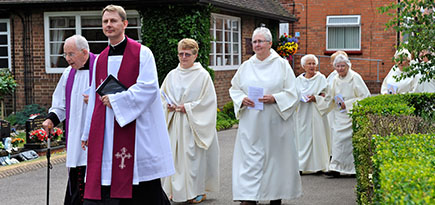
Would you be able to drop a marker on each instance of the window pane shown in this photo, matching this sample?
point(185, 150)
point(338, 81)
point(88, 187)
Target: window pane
point(219, 60)
point(3, 51)
point(3, 39)
point(61, 35)
point(227, 60)
point(58, 62)
point(62, 22)
point(219, 36)
point(56, 48)
point(227, 36)
point(219, 23)
point(3, 27)
point(219, 47)
point(235, 37)
point(235, 26)
point(343, 38)
point(236, 60)
point(97, 47)
point(211, 35)
point(227, 48)
point(227, 24)
point(94, 35)
point(132, 33)
point(211, 47)
point(133, 21)
point(4, 63)
point(91, 21)
point(235, 48)
point(211, 60)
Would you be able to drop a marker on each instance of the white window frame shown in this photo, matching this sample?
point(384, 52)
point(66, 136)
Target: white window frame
point(213, 42)
point(357, 24)
point(78, 29)
point(8, 33)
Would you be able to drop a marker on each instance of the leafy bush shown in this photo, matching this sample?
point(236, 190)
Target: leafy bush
point(22, 116)
point(161, 33)
point(404, 169)
point(7, 82)
point(226, 118)
point(384, 115)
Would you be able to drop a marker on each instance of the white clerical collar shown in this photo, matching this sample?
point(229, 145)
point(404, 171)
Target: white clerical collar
point(118, 42)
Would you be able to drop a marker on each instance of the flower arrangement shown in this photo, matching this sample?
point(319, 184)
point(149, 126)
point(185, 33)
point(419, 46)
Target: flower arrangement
point(40, 135)
point(16, 141)
point(287, 46)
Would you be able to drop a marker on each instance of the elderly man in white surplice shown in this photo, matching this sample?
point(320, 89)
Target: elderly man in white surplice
point(189, 100)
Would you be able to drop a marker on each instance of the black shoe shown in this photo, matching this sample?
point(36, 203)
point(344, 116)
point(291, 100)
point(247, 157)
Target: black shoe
point(275, 202)
point(332, 174)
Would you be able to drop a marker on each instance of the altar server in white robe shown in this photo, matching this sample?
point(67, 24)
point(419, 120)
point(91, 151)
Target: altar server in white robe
point(348, 87)
point(265, 161)
point(69, 105)
point(126, 135)
point(408, 85)
point(191, 120)
point(426, 86)
point(312, 126)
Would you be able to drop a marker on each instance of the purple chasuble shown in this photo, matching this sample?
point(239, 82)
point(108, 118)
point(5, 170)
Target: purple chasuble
point(68, 89)
point(123, 137)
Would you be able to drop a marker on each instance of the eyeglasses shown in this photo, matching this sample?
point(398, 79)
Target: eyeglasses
point(68, 54)
point(187, 55)
point(259, 41)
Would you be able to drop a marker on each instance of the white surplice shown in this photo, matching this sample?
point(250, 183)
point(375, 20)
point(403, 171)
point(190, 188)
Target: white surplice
point(352, 88)
point(407, 85)
point(427, 86)
point(192, 134)
point(312, 128)
point(330, 115)
point(265, 161)
point(141, 102)
point(75, 155)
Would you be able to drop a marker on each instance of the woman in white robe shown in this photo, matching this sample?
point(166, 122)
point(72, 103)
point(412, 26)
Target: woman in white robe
point(312, 126)
point(408, 85)
point(347, 88)
point(189, 100)
point(265, 160)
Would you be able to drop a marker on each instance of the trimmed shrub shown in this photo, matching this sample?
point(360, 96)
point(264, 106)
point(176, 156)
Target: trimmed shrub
point(384, 115)
point(404, 169)
point(225, 117)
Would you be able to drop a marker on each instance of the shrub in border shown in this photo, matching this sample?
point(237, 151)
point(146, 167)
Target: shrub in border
point(395, 107)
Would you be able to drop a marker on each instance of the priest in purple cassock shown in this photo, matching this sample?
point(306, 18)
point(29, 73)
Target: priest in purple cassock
point(69, 105)
point(125, 132)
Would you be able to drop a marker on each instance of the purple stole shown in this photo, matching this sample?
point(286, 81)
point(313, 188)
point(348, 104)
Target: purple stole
point(123, 137)
point(68, 89)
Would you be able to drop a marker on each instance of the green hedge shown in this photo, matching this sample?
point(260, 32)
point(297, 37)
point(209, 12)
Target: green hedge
point(404, 169)
point(163, 26)
point(225, 117)
point(384, 115)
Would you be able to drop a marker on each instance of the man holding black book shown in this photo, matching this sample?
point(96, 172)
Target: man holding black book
point(69, 104)
point(125, 132)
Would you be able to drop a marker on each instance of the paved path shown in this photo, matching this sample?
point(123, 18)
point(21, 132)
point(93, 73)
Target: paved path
point(29, 187)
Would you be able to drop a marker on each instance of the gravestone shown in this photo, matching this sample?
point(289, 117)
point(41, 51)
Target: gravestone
point(5, 129)
point(33, 123)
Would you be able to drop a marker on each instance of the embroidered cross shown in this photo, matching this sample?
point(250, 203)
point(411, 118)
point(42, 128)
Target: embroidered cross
point(123, 155)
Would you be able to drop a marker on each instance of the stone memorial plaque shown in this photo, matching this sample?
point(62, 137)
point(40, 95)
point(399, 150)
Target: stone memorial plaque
point(33, 123)
point(5, 129)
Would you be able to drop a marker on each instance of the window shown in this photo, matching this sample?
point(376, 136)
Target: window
point(225, 50)
point(5, 47)
point(343, 33)
point(60, 25)
point(283, 28)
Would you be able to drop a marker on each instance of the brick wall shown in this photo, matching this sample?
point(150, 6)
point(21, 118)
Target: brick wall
point(376, 43)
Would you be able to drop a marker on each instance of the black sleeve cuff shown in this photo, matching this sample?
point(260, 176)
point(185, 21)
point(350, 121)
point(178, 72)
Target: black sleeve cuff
point(53, 117)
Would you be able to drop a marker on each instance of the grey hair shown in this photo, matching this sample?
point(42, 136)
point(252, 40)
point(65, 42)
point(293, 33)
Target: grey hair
point(342, 58)
point(265, 31)
point(81, 42)
point(404, 52)
point(309, 56)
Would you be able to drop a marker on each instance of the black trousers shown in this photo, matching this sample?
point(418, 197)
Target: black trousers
point(149, 192)
point(75, 188)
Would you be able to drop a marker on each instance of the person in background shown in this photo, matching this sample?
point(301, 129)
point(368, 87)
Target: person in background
point(265, 161)
point(408, 85)
point(347, 88)
point(69, 105)
point(191, 120)
point(427, 86)
point(312, 126)
point(126, 135)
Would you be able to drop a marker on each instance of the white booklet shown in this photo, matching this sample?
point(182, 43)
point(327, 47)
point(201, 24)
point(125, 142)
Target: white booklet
point(166, 98)
point(392, 89)
point(254, 93)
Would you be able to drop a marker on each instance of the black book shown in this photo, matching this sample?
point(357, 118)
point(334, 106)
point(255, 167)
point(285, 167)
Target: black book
point(110, 86)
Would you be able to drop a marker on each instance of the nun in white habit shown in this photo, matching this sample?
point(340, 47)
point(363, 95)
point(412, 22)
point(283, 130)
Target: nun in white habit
point(313, 132)
point(190, 106)
point(265, 160)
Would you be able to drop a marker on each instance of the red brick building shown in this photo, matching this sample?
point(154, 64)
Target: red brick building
point(354, 26)
point(32, 33)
